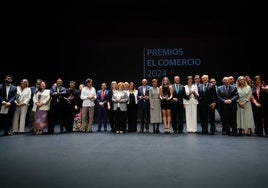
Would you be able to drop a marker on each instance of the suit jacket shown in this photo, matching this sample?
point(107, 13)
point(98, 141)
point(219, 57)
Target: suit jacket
point(208, 96)
point(59, 97)
point(180, 95)
point(12, 94)
point(33, 90)
point(142, 102)
point(124, 99)
point(223, 94)
point(105, 99)
point(44, 98)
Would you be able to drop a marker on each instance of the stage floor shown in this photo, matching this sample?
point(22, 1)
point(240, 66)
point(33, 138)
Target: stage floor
point(104, 159)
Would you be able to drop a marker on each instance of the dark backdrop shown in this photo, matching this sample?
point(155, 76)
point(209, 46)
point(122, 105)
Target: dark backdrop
point(106, 40)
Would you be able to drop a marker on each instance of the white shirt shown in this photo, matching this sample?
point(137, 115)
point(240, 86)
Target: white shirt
point(86, 92)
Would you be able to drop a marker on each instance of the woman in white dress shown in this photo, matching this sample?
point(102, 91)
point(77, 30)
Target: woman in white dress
point(190, 105)
point(245, 120)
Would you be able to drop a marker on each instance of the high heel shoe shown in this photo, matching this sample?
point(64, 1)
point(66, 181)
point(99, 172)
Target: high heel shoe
point(242, 132)
point(167, 131)
point(249, 132)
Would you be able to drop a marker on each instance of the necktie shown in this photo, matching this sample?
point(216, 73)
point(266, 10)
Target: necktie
point(205, 87)
point(102, 95)
point(177, 88)
point(227, 90)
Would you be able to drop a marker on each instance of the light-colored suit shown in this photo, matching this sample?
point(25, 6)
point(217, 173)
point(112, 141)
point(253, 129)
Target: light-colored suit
point(123, 97)
point(45, 99)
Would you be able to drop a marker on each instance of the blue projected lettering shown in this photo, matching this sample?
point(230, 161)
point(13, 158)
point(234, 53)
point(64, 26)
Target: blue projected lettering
point(159, 62)
point(164, 52)
point(173, 62)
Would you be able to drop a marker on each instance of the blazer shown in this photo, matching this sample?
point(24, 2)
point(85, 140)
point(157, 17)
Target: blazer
point(140, 93)
point(124, 99)
point(12, 94)
point(45, 99)
point(208, 96)
point(105, 99)
point(223, 94)
point(180, 95)
point(59, 97)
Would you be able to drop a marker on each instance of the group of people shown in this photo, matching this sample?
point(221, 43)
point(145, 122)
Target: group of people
point(242, 106)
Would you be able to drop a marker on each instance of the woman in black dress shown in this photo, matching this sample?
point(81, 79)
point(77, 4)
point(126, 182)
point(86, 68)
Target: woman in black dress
point(165, 97)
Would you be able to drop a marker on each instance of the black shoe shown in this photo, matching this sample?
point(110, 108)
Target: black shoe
point(10, 133)
point(141, 131)
point(212, 133)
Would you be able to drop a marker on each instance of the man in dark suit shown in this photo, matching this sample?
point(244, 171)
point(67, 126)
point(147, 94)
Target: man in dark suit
point(144, 105)
point(177, 105)
point(102, 99)
point(56, 112)
point(228, 95)
point(206, 104)
point(8, 93)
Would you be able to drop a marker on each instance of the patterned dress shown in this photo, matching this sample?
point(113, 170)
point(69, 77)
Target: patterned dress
point(40, 116)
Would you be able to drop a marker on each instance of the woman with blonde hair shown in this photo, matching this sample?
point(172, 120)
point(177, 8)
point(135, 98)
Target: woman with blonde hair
point(245, 120)
point(22, 101)
point(120, 99)
point(166, 91)
point(155, 106)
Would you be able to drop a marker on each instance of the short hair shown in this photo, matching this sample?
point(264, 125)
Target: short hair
point(73, 82)
point(88, 80)
point(189, 77)
point(8, 75)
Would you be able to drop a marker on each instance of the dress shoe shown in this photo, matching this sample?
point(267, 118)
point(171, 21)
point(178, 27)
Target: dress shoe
point(212, 133)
